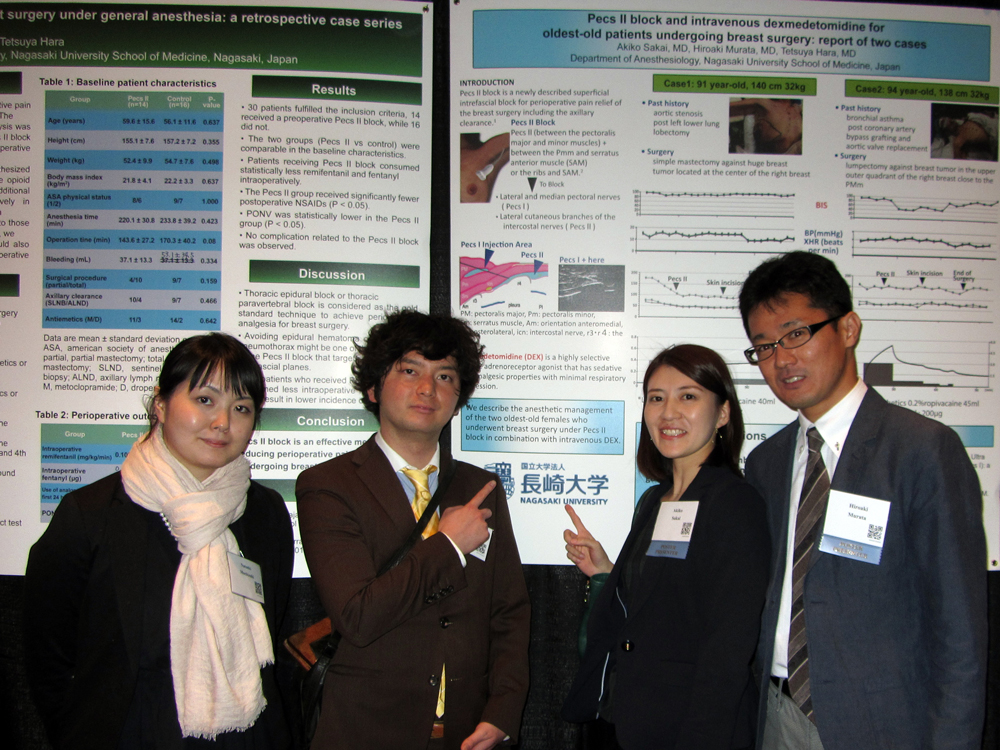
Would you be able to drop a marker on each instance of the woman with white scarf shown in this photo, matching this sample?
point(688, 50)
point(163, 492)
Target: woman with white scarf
point(155, 597)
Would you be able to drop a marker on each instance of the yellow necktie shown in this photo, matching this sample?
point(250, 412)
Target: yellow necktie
point(422, 496)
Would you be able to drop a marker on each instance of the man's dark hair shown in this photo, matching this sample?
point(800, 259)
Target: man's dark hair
point(434, 337)
point(705, 367)
point(798, 272)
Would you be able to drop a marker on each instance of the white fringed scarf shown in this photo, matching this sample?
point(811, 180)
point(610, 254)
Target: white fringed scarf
point(216, 673)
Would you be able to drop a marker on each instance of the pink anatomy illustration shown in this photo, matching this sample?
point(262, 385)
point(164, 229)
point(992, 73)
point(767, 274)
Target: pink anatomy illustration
point(481, 276)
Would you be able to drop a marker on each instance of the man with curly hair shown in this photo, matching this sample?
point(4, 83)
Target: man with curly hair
point(435, 651)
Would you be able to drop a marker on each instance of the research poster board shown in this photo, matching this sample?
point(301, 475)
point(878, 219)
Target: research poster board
point(617, 170)
point(170, 169)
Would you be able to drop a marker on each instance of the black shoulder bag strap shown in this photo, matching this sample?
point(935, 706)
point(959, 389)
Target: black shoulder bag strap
point(312, 684)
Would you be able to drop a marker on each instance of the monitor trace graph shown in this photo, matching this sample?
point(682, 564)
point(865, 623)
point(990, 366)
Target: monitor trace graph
point(931, 245)
point(714, 239)
point(958, 298)
point(664, 294)
point(757, 205)
point(900, 208)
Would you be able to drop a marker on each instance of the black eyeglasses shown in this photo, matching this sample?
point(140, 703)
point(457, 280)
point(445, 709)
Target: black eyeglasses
point(791, 340)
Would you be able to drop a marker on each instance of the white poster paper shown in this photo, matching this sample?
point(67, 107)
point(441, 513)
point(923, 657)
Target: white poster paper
point(618, 171)
point(255, 169)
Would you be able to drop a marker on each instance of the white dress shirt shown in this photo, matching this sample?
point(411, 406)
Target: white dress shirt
point(833, 428)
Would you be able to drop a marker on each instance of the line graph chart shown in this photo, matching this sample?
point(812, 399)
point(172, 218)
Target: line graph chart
point(918, 297)
point(944, 246)
point(896, 208)
point(733, 204)
point(687, 295)
point(928, 363)
point(700, 239)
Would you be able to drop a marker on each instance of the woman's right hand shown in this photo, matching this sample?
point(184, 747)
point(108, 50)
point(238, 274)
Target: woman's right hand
point(583, 550)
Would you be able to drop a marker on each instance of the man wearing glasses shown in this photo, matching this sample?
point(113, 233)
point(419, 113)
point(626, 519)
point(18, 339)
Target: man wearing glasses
point(874, 631)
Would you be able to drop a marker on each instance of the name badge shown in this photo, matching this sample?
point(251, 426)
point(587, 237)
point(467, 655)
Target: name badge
point(245, 578)
point(855, 527)
point(672, 533)
point(480, 551)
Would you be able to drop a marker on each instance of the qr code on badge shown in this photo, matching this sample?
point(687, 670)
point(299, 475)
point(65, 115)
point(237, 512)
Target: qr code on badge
point(875, 532)
point(686, 529)
point(257, 588)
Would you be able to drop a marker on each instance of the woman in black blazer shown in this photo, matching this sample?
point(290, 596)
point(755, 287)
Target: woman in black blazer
point(135, 634)
point(671, 635)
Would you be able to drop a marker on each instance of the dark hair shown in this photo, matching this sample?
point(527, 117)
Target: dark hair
point(798, 272)
point(195, 360)
point(434, 337)
point(707, 369)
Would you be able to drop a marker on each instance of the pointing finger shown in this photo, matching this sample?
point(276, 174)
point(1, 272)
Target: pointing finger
point(476, 501)
point(580, 528)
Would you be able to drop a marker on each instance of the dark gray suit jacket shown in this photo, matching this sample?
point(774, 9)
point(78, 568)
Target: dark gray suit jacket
point(897, 651)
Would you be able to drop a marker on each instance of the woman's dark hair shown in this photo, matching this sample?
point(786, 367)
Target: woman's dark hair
point(195, 360)
point(813, 276)
point(434, 337)
point(707, 369)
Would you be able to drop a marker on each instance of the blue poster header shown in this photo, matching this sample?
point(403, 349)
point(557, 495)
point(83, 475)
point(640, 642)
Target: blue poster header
point(678, 40)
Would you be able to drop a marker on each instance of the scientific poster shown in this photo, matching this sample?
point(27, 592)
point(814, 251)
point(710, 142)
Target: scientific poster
point(617, 171)
point(169, 169)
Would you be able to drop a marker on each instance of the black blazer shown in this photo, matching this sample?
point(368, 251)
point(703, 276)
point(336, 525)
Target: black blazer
point(692, 626)
point(86, 597)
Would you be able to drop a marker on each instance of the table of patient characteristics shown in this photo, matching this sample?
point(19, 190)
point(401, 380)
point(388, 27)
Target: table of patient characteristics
point(133, 210)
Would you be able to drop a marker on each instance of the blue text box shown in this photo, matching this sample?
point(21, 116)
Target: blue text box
point(498, 425)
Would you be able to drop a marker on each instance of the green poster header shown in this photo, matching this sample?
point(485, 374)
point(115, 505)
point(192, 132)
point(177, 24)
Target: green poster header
point(921, 90)
point(333, 274)
point(93, 434)
point(317, 420)
point(343, 89)
point(738, 85)
point(209, 36)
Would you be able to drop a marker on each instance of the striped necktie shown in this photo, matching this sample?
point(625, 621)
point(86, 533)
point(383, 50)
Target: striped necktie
point(808, 521)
